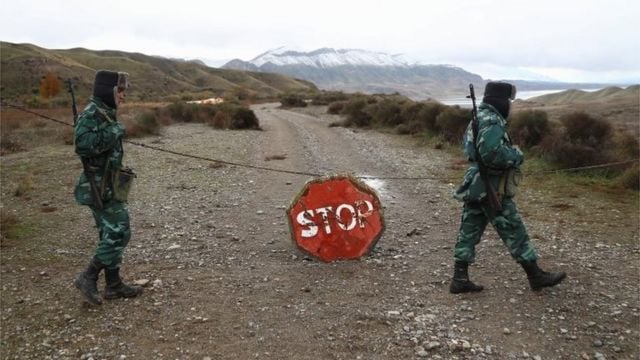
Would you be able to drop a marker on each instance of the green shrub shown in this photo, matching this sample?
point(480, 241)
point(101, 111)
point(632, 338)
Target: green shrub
point(429, 113)
point(355, 112)
point(292, 100)
point(581, 128)
point(386, 112)
point(452, 122)
point(528, 128)
point(556, 148)
point(244, 118)
point(328, 97)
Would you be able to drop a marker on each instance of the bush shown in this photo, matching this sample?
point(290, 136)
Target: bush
point(429, 113)
point(451, 123)
point(630, 179)
point(386, 112)
point(355, 112)
point(292, 100)
point(244, 118)
point(9, 146)
point(626, 146)
point(8, 222)
point(556, 148)
point(528, 128)
point(580, 128)
point(220, 120)
point(336, 107)
point(328, 97)
point(144, 124)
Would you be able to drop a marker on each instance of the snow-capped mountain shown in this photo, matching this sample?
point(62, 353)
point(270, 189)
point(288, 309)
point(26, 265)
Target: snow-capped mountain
point(328, 57)
point(360, 70)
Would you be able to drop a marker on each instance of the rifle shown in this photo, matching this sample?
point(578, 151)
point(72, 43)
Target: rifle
point(494, 200)
point(88, 171)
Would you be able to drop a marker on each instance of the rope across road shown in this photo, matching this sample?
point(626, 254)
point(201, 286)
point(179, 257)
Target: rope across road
point(305, 173)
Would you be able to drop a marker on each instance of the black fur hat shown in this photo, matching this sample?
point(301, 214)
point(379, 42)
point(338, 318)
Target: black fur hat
point(106, 84)
point(499, 95)
point(500, 89)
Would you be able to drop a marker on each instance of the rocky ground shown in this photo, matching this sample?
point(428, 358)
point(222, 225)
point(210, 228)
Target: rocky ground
point(223, 279)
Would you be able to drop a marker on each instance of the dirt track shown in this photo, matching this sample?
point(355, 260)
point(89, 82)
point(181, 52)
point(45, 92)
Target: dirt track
point(226, 282)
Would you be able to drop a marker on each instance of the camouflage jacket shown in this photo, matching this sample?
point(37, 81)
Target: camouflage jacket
point(98, 139)
point(494, 148)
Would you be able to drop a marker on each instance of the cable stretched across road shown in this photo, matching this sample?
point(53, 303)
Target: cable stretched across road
point(305, 173)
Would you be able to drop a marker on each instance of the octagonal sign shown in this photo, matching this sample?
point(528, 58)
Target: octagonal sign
point(336, 218)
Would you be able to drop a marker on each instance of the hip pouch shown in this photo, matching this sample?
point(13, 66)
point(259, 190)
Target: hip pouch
point(122, 182)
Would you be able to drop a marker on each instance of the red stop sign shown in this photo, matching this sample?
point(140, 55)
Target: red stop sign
point(336, 218)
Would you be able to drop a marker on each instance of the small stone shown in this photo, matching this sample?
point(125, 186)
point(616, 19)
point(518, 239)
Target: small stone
point(599, 356)
point(421, 352)
point(506, 331)
point(597, 343)
point(141, 282)
point(432, 345)
point(173, 247)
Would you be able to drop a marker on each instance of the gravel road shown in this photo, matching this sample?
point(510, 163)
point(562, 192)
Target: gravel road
point(223, 279)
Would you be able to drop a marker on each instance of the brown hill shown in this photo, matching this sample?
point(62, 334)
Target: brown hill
point(612, 93)
point(153, 78)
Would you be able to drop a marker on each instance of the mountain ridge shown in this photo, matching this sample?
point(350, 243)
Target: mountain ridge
point(153, 77)
point(356, 70)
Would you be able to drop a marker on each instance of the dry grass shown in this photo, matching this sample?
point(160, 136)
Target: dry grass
point(8, 222)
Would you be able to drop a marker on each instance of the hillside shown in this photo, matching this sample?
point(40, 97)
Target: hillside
point(153, 78)
point(612, 93)
point(619, 106)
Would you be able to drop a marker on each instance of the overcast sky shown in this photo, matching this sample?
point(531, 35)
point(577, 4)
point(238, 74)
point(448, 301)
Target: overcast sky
point(567, 40)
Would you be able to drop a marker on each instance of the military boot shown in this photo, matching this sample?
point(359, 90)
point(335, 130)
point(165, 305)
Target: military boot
point(539, 278)
point(115, 288)
point(460, 282)
point(86, 282)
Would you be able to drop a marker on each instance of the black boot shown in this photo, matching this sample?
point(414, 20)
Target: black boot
point(86, 282)
point(460, 282)
point(115, 288)
point(539, 278)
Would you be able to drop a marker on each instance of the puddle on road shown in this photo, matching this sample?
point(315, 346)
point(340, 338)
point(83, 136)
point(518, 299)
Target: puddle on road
point(374, 183)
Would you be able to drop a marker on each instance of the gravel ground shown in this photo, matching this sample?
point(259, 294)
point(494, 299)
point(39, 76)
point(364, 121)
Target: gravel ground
point(223, 279)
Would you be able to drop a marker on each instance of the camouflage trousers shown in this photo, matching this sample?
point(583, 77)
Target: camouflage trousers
point(508, 225)
point(114, 231)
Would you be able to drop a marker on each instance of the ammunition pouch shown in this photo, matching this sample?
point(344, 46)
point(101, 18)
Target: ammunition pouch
point(509, 183)
point(122, 181)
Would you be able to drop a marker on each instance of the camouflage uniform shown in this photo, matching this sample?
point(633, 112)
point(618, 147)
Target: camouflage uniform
point(502, 162)
point(499, 155)
point(98, 141)
point(98, 137)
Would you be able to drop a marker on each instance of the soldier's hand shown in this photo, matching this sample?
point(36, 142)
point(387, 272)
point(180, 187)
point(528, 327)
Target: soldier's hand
point(118, 129)
point(520, 155)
